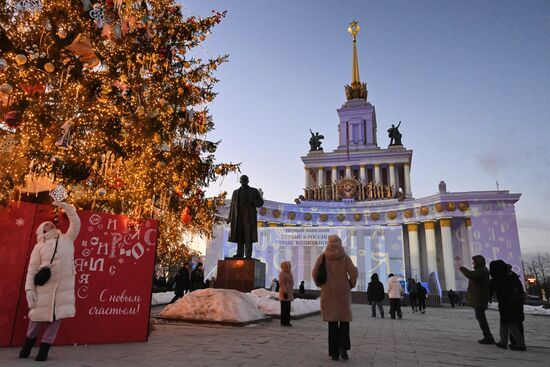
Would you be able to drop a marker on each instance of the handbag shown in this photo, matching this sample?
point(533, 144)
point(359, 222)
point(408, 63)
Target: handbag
point(322, 272)
point(45, 273)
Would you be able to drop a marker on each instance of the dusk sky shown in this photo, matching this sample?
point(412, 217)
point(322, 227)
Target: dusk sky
point(469, 79)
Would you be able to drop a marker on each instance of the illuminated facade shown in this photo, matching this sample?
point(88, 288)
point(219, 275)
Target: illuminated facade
point(363, 193)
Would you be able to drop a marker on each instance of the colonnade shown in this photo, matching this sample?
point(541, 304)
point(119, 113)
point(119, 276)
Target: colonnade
point(316, 176)
point(431, 250)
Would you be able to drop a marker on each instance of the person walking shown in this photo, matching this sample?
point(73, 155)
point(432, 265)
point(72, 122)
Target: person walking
point(286, 292)
point(182, 282)
point(477, 295)
point(452, 297)
point(422, 295)
point(341, 277)
point(394, 293)
point(302, 289)
point(54, 300)
point(413, 294)
point(514, 275)
point(510, 296)
point(197, 278)
point(375, 295)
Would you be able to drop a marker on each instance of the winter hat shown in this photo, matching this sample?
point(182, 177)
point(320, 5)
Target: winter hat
point(374, 277)
point(390, 275)
point(42, 236)
point(285, 266)
point(40, 229)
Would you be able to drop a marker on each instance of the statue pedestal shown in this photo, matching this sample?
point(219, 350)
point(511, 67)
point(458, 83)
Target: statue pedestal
point(240, 274)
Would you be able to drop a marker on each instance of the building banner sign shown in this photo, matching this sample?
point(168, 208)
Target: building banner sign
point(373, 249)
point(114, 267)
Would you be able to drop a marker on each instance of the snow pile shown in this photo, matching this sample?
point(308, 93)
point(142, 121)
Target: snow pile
point(268, 303)
point(527, 309)
point(161, 298)
point(214, 305)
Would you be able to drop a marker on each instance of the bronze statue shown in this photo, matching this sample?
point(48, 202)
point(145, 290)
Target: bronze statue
point(243, 218)
point(315, 141)
point(394, 134)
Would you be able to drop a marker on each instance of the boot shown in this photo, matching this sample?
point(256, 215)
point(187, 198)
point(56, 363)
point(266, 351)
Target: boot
point(26, 350)
point(43, 352)
point(344, 354)
point(487, 340)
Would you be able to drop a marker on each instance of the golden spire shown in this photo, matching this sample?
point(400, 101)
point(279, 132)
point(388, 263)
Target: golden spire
point(353, 29)
point(357, 89)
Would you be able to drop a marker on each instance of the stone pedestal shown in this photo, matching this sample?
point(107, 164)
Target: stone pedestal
point(240, 274)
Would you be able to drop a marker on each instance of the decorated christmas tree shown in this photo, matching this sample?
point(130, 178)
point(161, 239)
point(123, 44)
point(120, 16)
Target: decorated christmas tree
point(108, 99)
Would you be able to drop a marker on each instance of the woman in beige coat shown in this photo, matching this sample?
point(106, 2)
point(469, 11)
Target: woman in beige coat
point(336, 295)
point(286, 292)
point(55, 300)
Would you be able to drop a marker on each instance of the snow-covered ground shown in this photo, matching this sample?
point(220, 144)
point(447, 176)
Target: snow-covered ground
point(268, 303)
point(527, 309)
point(161, 298)
point(215, 305)
point(227, 305)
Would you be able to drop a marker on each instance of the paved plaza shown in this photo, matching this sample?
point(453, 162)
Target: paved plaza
point(441, 337)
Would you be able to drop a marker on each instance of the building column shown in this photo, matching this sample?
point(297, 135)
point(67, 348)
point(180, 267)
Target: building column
point(407, 180)
point(377, 173)
point(448, 259)
point(308, 178)
point(320, 176)
point(335, 174)
point(414, 251)
point(431, 255)
point(362, 173)
point(470, 238)
point(348, 171)
point(391, 169)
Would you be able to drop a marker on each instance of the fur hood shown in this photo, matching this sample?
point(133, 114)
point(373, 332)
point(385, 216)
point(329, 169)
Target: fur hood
point(334, 249)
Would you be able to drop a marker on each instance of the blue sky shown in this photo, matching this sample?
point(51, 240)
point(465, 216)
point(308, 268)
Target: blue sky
point(469, 79)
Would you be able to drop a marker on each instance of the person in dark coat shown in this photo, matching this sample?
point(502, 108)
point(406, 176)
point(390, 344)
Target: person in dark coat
point(197, 278)
point(375, 295)
point(520, 324)
point(302, 288)
point(510, 296)
point(452, 297)
point(243, 218)
point(182, 282)
point(422, 294)
point(477, 295)
point(413, 293)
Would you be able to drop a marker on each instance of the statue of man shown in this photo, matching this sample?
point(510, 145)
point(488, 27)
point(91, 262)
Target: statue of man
point(243, 218)
point(394, 134)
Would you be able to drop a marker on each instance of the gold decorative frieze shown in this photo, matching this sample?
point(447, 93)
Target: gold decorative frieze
point(439, 207)
point(424, 210)
point(374, 216)
point(291, 215)
point(357, 217)
point(391, 215)
point(307, 216)
point(463, 206)
point(263, 211)
point(276, 213)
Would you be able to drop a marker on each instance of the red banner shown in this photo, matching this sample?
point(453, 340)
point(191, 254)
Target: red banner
point(114, 265)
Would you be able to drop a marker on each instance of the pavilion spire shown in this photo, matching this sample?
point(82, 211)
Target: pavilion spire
point(356, 90)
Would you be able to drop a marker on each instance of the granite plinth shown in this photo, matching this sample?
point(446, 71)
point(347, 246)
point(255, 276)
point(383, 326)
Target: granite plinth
point(240, 274)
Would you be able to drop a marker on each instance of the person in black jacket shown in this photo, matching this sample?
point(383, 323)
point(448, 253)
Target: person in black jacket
point(197, 278)
point(375, 295)
point(422, 292)
point(413, 294)
point(510, 296)
point(302, 289)
point(182, 282)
